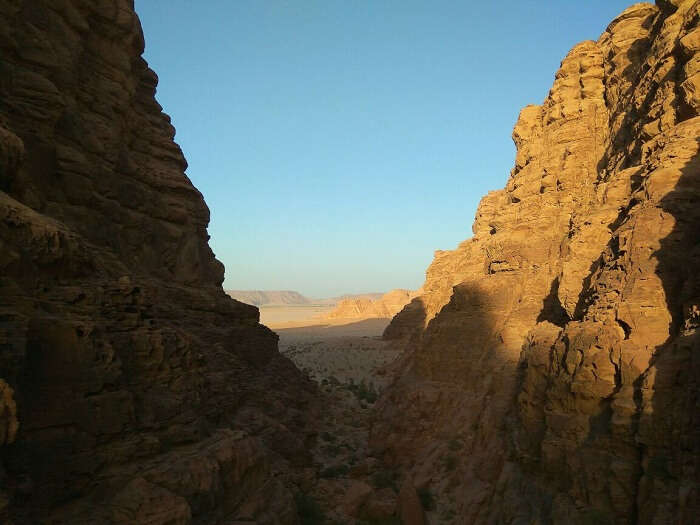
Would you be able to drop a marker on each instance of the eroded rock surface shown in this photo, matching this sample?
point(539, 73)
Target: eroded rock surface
point(386, 306)
point(132, 389)
point(551, 364)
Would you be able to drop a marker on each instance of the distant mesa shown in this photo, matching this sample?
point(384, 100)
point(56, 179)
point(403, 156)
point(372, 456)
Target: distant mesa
point(332, 301)
point(384, 306)
point(269, 297)
point(292, 298)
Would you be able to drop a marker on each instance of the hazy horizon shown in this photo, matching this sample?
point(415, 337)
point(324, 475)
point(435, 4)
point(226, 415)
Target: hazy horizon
point(339, 145)
point(308, 296)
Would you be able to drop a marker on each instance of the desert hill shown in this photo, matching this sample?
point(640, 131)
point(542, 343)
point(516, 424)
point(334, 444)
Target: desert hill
point(332, 301)
point(269, 297)
point(386, 305)
point(292, 298)
point(288, 308)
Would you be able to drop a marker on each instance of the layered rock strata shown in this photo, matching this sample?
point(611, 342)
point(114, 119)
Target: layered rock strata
point(552, 363)
point(386, 306)
point(132, 389)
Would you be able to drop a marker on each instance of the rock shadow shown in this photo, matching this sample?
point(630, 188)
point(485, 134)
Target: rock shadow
point(669, 391)
point(366, 327)
point(552, 310)
point(447, 410)
point(409, 322)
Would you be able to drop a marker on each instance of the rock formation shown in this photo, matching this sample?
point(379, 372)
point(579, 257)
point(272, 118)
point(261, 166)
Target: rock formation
point(332, 301)
point(132, 389)
point(552, 361)
point(292, 298)
point(385, 306)
point(269, 297)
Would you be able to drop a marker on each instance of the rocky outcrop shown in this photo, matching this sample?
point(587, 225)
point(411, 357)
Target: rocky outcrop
point(385, 306)
point(132, 389)
point(551, 363)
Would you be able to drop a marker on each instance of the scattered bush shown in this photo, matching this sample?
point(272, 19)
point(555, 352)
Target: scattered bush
point(363, 392)
point(385, 478)
point(450, 462)
point(327, 436)
point(308, 509)
point(335, 471)
point(391, 520)
point(597, 517)
point(449, 515)
point(455, 445)
point(658, 467)
point(426, 498)
point(332, 450)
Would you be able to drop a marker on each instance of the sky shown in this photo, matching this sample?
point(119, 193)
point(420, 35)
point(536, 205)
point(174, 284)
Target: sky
point(338, 143)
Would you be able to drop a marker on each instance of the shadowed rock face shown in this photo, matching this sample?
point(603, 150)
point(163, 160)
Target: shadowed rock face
point(132, 389)
point(554, 355)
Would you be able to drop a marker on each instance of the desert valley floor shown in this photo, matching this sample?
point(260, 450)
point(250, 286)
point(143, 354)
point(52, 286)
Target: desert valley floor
point(351, 363)
point(346, 360)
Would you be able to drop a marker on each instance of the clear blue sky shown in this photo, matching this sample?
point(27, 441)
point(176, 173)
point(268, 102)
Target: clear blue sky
point(339, 143)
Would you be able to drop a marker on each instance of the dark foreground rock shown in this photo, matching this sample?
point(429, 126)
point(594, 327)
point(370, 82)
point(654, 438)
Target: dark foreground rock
point(132, 389)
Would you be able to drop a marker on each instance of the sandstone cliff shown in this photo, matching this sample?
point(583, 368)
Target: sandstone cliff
point(385, 306)
point(552, 362)
point(132, 389)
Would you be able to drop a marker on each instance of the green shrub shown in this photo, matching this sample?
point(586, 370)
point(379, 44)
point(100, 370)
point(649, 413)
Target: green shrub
point(332, 450)
point(455, 445)
point(327, 436)
point(596, 517)
point(391, 520)
point(658, 467)
point(450, 462)
point(426, 498)
point(384, 478)
point(449, 515)
point(363, 391)
point(335, 471)
point(308, 509)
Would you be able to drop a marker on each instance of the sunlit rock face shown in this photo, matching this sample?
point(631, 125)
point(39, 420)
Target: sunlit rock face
point(552, 362)
point(132, 389)
point(385, 306)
